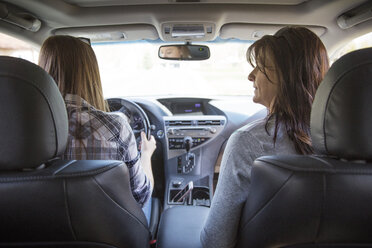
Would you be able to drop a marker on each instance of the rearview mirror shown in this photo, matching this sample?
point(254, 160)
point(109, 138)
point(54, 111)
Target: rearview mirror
point(184, 52)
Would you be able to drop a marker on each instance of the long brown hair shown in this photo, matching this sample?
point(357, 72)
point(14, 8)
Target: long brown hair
point(73, 65)
point(301, 61)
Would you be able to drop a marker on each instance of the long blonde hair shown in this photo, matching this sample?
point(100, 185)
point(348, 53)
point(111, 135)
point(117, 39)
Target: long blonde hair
point(73, 65)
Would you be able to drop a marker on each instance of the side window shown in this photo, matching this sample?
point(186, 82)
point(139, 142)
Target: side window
point(10, 46)
point(356, 44)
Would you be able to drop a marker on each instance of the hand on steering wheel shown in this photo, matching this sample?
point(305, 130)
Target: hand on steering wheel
point(147, 146)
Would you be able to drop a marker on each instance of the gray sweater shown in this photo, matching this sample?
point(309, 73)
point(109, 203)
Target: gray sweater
point(244, 146)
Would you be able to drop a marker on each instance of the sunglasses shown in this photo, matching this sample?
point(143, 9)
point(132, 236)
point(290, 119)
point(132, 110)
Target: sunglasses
point(85, 40)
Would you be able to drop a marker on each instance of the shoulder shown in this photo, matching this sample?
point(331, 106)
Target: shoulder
point(253, 127)
point(248, 132)
point(115, 123)
point(108, 119)
point(78, 104)
point(242, 148)
point(258, 136)
point(113, 116)
point(246, 138)
point(250, 140)
point(105, 124)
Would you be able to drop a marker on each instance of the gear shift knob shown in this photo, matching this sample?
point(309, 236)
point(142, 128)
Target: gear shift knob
point(188, 143)
point(190, 157)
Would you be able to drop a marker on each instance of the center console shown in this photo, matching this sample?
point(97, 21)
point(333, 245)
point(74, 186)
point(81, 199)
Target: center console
point(188, 141)
point(180, 227)
point(193, 136)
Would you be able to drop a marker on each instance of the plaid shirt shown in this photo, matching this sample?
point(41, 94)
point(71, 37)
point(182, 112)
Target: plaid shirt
point(98, 135)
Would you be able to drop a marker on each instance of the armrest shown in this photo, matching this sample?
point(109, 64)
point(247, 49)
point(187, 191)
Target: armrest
point(180, 227)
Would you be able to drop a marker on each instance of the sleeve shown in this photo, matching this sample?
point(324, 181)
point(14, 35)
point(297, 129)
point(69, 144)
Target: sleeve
point(220, 229)
point(140, 184)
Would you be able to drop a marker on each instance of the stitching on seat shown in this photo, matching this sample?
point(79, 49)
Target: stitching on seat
point(67, 209)
point(64, 167)
point(279, 163)
point(117, 204)
point(80, 174)
point(268, 201)
point(322, 160)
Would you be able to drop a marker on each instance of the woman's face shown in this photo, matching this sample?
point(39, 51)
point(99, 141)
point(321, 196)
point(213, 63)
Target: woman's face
point(265, 90)
point(171, 52)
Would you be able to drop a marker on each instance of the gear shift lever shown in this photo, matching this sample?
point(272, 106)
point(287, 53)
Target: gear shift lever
point(190, 157)
point(188, 143)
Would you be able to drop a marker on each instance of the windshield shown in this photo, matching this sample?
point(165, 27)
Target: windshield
point(134, 69)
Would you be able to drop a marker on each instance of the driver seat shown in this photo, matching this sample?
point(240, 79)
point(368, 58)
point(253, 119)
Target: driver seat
point(324, 200)
point(48, 202)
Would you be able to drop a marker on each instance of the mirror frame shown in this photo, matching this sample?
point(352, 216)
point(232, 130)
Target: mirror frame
point(191, 50)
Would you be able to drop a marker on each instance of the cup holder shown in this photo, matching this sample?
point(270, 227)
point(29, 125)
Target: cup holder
point(199, 197)
point(200, 193)
point(173, 193)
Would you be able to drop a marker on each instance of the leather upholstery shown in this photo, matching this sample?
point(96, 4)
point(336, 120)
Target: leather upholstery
point(71, 203)
point(180, 227)
point(307, 201)
point(320, 200)
point(33, 126)
point(46, 202)
point(341, 117)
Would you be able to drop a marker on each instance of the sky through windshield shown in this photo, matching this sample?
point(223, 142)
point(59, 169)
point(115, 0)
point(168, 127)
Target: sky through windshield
point(134, 69)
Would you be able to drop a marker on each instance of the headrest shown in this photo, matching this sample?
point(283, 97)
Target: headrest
point(33, 118)
point(341, 116)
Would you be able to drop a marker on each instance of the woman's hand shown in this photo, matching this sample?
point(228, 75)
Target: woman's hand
point(147, 146)
point(147, 149)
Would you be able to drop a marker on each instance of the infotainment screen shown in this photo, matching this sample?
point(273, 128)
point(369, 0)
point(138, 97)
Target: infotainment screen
point(193, 108)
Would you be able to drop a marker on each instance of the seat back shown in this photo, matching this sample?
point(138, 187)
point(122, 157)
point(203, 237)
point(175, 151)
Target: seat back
point(47, 202)
point(323, 200)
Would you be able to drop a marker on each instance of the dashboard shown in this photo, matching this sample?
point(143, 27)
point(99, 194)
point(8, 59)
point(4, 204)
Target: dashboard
point(186, 106)
point(191, 134)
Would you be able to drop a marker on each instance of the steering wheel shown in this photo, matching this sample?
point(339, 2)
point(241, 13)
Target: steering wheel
point(137, 118)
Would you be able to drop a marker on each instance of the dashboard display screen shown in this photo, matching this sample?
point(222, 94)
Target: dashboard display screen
point(194, 108)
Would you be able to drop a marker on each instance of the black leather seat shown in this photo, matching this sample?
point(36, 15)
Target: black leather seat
point(46, 202)
point(323, 200)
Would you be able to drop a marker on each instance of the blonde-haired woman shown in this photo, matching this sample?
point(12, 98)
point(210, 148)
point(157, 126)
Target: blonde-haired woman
point(94, 133)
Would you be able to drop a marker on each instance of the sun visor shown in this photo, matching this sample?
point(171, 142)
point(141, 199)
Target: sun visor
point(244, 31)
point(112, 33)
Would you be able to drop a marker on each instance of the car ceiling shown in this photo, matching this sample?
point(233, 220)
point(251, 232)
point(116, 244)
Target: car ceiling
point(147, 19)
point(96, 3)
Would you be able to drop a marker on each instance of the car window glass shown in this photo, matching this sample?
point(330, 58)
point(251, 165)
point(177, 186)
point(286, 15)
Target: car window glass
point(361, 42)
point(134, 69)
point(10, 46)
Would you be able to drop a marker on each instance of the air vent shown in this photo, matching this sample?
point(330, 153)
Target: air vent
point(210, 122)
point(179, 123)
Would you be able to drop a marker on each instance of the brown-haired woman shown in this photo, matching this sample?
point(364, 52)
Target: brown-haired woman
point(93, 132)
point(288, 68)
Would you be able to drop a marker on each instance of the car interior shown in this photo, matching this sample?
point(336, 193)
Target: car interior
point(188, 97)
